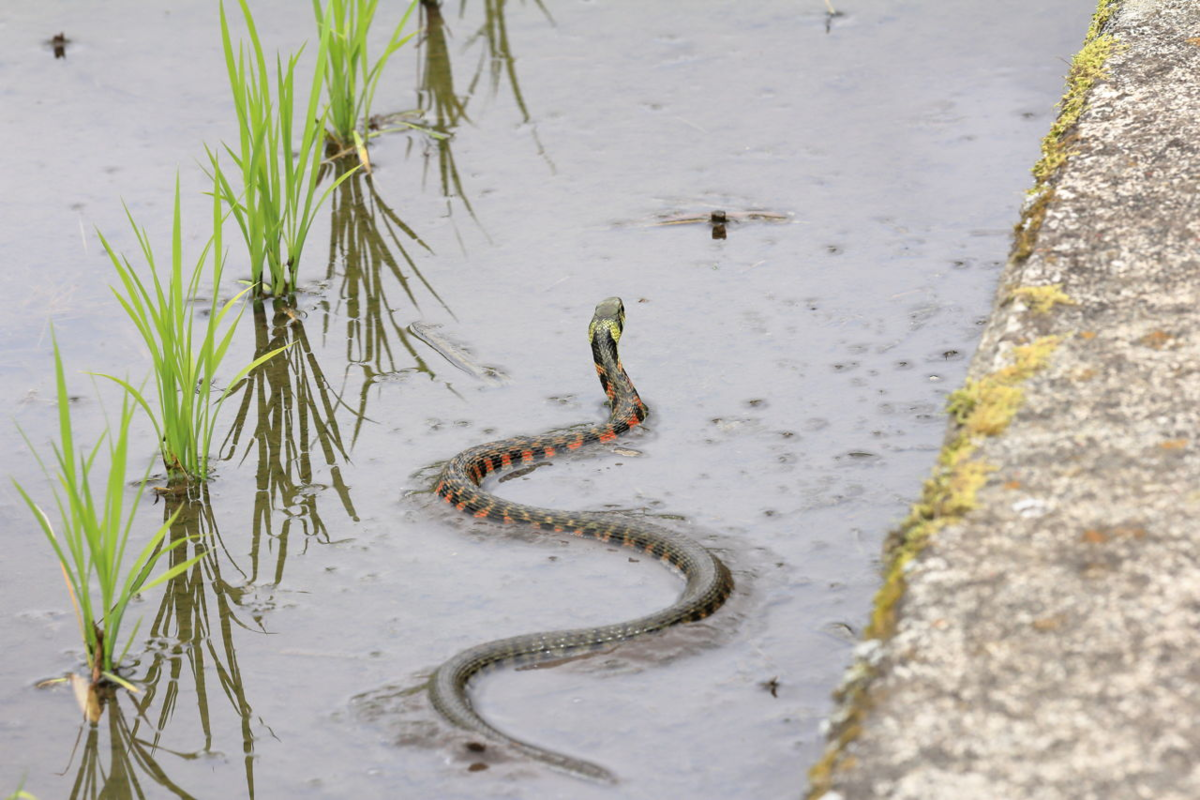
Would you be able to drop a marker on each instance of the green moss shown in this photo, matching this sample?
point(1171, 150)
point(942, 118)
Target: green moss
point(986, 406)
point(1087, 67)
point(1025, 232)
point(1041, 299)
point(948, 494)
point(980, 409)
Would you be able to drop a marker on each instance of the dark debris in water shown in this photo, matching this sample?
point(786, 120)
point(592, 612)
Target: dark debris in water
point(859, 457)
point(843, 631)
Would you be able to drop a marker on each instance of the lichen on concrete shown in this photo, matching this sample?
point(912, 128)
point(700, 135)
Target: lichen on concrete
point(1041, 299)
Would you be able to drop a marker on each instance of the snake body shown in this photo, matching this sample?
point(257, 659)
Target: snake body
point(708, 581)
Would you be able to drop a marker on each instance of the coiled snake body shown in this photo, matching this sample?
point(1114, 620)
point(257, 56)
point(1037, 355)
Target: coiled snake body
point(708, 581)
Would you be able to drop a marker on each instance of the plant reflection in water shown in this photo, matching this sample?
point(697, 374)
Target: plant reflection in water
point(191, 649)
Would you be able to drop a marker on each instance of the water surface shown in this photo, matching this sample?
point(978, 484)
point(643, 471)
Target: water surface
point(795, 370)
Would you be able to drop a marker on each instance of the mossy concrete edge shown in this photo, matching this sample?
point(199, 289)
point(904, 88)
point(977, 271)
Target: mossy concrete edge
point(981, 408)
point(1087, 67)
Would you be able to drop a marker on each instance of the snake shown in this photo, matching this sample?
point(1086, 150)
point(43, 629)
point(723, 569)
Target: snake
point(708, 582)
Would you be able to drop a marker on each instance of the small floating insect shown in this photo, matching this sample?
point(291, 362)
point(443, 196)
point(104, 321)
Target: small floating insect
point(720, 219)
point(59, 42)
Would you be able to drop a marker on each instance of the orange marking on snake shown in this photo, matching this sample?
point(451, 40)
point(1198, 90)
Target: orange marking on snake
point(526, 456)
point(505, 461)
point(608, 436)
point(549, 451)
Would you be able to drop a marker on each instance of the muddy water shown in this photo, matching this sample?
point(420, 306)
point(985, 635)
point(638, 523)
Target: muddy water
point(795, 369)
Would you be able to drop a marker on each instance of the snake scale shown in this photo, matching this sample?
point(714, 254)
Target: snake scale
point(708, 581)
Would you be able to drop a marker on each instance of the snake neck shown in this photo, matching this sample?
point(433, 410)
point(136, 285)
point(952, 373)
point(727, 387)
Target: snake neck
point(628, 409)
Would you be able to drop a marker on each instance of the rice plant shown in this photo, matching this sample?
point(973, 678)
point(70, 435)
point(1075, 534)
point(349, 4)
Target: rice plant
point(185, 365)
point(350, 77)
point(92, 539)
point(278, 198)
point(20, 794)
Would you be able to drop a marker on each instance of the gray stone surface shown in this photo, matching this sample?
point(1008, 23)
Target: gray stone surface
point(1048, 646)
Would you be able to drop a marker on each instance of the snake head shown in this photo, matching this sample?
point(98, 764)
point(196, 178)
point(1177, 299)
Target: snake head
point(609, 316)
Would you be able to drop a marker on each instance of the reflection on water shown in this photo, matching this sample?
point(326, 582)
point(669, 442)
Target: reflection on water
point(131, 768)
point(445, 107)
point(369, 242)
point(436, 97)
point(497, 53)
point(370, 245)
point(191, 644)
point(365, 250)
point(194, 629)
point(290, 409)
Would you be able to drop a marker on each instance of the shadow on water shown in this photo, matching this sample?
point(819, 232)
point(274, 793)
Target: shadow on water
point(290, 409)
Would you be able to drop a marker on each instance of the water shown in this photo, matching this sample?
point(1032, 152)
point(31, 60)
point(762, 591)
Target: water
point(795, 370)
